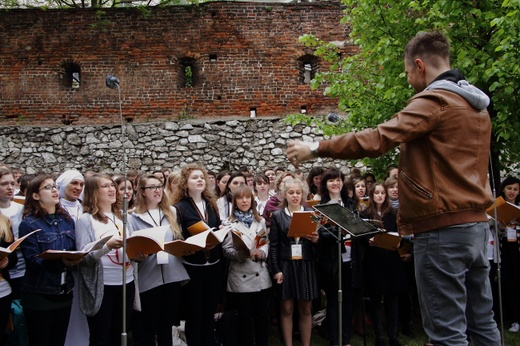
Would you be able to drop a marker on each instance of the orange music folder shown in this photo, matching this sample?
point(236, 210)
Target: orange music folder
point(506, 211)
point(303, 223)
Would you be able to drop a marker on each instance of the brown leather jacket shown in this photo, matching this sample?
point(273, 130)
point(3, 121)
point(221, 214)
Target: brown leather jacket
point(444, 154)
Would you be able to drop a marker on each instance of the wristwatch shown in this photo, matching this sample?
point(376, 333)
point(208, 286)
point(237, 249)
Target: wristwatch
point(314, 148)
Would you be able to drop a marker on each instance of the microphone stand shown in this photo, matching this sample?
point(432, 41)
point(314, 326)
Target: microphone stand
point(352, 224)
point(496, 252)
point(112, 82)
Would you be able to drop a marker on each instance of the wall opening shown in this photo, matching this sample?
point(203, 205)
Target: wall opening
point(308, 66)
point(188, 73)
point(71, 75)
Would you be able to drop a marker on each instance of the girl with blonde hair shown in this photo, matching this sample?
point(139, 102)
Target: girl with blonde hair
point(160, 274)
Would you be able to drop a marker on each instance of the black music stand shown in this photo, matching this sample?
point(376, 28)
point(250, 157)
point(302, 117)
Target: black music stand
point(350, 222)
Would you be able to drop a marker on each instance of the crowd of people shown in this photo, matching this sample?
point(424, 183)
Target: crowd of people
point(437, 200)
point(277, 279)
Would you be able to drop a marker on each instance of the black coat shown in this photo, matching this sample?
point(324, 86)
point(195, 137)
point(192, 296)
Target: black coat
point(280, 244)
point(383, 269)
point(187, 215)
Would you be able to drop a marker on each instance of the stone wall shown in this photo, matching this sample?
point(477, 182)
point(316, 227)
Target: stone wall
point(243, 56)
point(217, 144)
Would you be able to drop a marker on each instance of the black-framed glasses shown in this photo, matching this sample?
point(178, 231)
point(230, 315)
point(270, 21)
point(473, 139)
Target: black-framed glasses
point(153, 188)
point(48, 187)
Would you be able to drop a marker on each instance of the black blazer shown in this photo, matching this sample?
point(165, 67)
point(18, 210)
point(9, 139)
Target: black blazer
point(280, 244)
point(187, 215)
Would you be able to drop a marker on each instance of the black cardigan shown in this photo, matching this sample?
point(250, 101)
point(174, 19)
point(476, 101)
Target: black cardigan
point(187, 215)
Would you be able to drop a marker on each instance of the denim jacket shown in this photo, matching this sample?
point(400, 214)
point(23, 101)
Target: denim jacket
point(45, 276)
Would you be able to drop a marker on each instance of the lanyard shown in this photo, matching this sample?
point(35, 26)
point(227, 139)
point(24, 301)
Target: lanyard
point(151, 217)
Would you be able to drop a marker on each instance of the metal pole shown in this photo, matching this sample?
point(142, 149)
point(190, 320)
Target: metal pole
point(496, 246)
point(124, 335)
point(340, 289)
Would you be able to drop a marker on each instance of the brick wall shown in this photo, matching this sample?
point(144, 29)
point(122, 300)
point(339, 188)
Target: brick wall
point(244, 55)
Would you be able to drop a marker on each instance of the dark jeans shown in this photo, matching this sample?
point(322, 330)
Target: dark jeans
point(47, 327)
point(159, 312)
point(253, 317)
point(106, 326)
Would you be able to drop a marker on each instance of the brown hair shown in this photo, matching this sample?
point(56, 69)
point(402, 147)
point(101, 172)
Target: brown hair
point(90, 202)
point(242, 191)
point(182, 191)
point(386, 207)
point(33, 206)
point(282, 177)
point(119, 180)
point(429, 46)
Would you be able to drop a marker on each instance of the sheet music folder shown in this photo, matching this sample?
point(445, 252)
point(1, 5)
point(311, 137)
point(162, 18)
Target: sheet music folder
point(345, 219)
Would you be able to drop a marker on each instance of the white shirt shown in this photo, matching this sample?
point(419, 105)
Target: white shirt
point(112, 261)
point(14, 212)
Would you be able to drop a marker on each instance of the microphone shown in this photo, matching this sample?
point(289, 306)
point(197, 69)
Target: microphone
point(112, 82)
point(331, 117)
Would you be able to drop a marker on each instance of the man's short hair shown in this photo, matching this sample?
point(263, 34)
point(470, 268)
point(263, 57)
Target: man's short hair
point(427, 45)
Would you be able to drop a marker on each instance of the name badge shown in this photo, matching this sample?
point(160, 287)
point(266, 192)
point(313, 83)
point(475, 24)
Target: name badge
point(511, 234)
point(296, 252)
point(347, 255)
point(162, 257)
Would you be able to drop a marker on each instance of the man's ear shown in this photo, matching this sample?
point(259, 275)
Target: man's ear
point(420, 65)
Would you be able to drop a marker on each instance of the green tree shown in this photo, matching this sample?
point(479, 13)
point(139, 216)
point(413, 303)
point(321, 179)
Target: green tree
point(371, 85)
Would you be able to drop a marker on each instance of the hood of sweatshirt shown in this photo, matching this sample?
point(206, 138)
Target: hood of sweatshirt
point(454, 81)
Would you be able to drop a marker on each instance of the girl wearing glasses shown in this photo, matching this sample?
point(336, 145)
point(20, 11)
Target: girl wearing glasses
point(161, 274)
point(194, 202)
point(47, 284)
point(100, 272)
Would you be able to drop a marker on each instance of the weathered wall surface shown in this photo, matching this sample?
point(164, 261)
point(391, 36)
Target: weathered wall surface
point(244, 55)
point(257, 143)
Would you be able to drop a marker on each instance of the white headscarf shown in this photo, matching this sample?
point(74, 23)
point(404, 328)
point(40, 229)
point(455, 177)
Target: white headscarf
point(64, 180)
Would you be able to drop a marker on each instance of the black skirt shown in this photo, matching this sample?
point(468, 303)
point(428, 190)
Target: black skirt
point(299, 280)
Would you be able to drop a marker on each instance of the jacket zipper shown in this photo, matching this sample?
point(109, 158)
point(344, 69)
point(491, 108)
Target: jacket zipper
point(416, 186)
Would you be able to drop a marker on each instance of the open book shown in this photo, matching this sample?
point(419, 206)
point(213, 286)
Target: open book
point(198, 227)
point(197, 242)
point(388, 241)
point(5, 251)
point(312, 202)
point(245, 245)
point(506, 211)
point(392, 242)
point(303, 223)
point(74, 255)
point(146, 241)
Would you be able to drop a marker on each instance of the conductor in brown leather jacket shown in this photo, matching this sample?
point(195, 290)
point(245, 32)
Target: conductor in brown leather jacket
point(443, 135)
